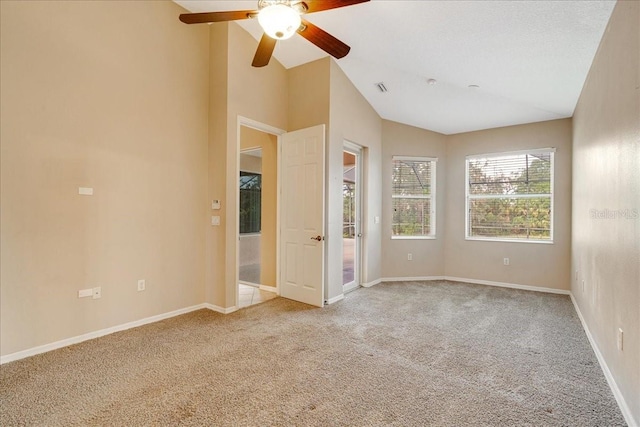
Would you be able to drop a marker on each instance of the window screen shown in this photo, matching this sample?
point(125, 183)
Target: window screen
point(413, 197)
point(510, 196)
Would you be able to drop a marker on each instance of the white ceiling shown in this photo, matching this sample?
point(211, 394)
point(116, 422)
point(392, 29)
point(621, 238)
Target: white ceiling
point(530, 58)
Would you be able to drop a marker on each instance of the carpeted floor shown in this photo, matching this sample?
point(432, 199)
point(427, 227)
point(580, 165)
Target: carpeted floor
point(402, 354)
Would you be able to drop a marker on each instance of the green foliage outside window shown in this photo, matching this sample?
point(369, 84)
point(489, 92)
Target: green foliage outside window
point(348, 209)
point(510, 197)
point(250, 202)
point(412, 197)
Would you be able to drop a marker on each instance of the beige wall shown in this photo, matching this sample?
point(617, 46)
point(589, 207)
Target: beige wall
point(309, 95)
point(606, 157)
point(251, 138)
point(215, 291)
point(534, 264)
point(91, 97)
point(320, 93)
point(237, 89)
point(428, 254)
point(352, 119)
point(250, 163)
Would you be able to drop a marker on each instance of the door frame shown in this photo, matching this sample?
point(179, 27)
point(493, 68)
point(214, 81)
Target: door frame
point(358, 151)
point(262, 127)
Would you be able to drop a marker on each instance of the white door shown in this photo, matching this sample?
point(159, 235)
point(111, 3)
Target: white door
point(302, 216)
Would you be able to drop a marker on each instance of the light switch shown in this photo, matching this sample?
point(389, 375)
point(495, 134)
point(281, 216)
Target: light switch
point(376, 220)
point(215, 204)
point(82, 293)
point(85, 191)
point(215, 220)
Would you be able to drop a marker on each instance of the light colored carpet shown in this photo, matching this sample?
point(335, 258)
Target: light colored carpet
point(403, 354)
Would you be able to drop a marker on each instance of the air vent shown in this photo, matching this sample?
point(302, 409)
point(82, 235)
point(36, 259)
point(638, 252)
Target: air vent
point(381, 87)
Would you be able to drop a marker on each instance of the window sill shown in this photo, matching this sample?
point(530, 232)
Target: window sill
point(413, 237)
point(479, 239)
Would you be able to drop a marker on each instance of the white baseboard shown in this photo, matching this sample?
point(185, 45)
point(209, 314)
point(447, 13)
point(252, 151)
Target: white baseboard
point(244, 282)
point(509, 285)
point(219, 309)
point(622, 403)
point(411, 279)
point(91, 335)
point(335, 299)
point(269, 288)
point(370, 284)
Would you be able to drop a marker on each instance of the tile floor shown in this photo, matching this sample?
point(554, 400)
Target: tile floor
point(250, 295)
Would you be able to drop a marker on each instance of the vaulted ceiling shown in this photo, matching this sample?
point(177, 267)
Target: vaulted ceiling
point(494, 63)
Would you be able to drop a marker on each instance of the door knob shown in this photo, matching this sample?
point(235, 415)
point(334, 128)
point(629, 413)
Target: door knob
point(318, 238)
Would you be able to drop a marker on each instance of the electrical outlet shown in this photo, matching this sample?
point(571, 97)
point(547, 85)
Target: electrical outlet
point(410, 257)
point(620, 339)
point(97, 292)
point(505, 261)
point(142, 284)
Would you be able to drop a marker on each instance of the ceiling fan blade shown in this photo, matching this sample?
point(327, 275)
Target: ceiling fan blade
point(323, 40)
point(264, 51)
point(201, 18)
point(318, 5)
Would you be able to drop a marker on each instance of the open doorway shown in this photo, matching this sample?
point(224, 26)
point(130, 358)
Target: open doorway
point(257, 217)
point(351, 216)
point(293, 162)
point(250, 217)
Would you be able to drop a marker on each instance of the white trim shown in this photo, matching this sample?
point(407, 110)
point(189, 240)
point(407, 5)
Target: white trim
point(412, 279)
point(469, 197)
point(624, 408)
point(269, 288)
point(253, 285)
point(432, 197)
point(373, 283)
point(351, 286)
point(334, 299)
point(510, 153)
point(424, 237)
point(357, 151)
point(254, 124)
point(96, 334)
point(552, 177)
point(509, 285)
point(415, 158)
point(409, 196)
point(510, 196)
point(219, 309)
point(489, 239)
point(277, 132)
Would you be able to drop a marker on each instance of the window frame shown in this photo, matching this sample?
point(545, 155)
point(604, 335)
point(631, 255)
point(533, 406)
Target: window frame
point(432, 196)
point(469, 196)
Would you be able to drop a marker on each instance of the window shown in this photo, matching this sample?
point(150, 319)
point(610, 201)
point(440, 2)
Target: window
point(413, 196)
point(510, 196)
point(250, 202)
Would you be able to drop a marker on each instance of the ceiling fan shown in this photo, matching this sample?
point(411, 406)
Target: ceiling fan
point(280, 19)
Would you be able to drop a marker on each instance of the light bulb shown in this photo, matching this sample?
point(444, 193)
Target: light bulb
point(279, 21)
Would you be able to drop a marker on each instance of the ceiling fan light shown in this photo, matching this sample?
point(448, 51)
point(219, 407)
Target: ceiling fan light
point(279, 21)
